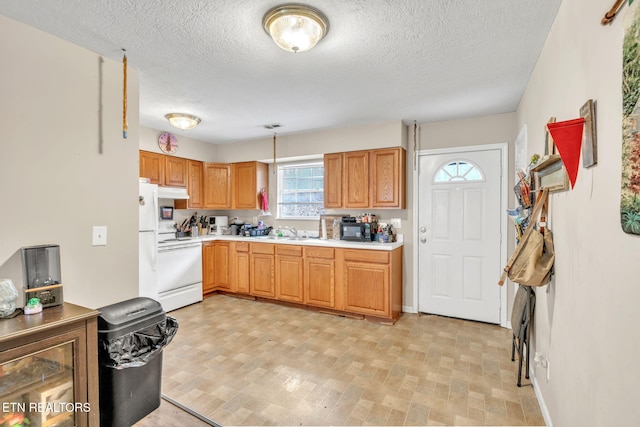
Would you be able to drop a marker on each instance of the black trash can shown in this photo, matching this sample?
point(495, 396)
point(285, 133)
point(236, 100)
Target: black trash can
point(131, 337)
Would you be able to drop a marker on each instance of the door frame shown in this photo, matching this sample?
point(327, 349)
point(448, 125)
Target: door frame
point(504, 158)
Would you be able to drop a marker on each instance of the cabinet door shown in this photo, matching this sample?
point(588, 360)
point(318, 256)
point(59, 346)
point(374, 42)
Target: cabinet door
point(217, 186)
point(388, 169)
point(152, 167)
point(289, 279)
point(333, 180)
point(208, 267)
point(367, 288)
point(319, 282)
point(249, 178)
point(196, 196)
point(221, 269)
point(175, 171)
point(262, 275)
point(355, 174)
point(194, 187)
point(239, 266)
point(242, 272)
point(47, 372)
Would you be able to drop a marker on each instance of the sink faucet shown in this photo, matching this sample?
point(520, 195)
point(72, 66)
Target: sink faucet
point(293, 230)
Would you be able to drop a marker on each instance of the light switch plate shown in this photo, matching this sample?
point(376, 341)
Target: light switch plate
point(99, 235)
point(396, 222)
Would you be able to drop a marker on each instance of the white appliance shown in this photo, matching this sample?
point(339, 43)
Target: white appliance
point(219, 225)
point(148, 241)
point(170, 268)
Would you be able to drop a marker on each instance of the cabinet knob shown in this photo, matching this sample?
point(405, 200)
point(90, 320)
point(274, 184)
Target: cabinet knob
point(423, 229)
point(423, 240)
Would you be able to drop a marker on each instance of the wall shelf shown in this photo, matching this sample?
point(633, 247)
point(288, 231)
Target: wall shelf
point(549, 173)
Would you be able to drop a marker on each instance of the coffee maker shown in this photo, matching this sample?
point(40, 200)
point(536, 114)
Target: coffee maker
point(41, 274)
point(218, 225)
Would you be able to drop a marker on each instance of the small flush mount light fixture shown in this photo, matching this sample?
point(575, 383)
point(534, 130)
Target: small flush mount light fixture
point(295, 27)
point(183, 121)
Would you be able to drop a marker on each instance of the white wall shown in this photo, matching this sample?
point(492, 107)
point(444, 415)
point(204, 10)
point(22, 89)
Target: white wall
point(56, 182)
point(187, 147)
point(586, 320)
point(378, 135)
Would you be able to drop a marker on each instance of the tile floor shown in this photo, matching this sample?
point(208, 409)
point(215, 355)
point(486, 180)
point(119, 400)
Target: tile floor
point(242, 362)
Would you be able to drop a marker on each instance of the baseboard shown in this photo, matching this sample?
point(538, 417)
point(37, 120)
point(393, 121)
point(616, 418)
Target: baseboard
point(541, 402)
point(408, 309)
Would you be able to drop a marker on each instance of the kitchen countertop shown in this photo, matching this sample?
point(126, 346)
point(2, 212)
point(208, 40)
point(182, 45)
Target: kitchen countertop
point(306, 241)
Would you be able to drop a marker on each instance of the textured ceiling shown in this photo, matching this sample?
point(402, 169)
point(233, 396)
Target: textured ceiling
point(424, 60)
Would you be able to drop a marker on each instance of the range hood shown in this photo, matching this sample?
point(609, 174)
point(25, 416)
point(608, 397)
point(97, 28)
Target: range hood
point(175, 193)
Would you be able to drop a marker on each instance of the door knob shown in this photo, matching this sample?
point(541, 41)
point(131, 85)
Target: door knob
point(423, 240)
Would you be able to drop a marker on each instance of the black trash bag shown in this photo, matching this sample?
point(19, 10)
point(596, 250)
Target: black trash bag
point(137, 348)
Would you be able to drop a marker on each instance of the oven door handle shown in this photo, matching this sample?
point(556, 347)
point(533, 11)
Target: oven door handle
point(178, 247)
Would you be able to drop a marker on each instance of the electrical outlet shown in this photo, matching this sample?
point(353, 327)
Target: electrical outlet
point(396, 222)
point(99, 235)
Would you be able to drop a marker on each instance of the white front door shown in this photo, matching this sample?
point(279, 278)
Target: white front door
point(459, 227)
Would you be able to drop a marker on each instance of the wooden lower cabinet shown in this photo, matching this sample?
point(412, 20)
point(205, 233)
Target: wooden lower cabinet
point(372, 282)
point(262, 270)
point(367, 288)
point(319, 277)
point(215, 266)
point(240, 266)
point(289, 278)
point(360, 281)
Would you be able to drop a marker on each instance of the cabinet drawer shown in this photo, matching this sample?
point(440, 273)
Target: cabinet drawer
point(289, 250)
point(378, 257)
point(262, 248)
point(242, 246)
point(311, 252)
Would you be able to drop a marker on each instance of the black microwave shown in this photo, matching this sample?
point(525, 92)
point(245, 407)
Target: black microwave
point(357, 231)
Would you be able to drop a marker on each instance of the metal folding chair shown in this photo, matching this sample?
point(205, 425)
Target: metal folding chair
point(521, 315)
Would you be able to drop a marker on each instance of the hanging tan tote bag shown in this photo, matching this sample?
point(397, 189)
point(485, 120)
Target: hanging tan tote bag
point(533, 258)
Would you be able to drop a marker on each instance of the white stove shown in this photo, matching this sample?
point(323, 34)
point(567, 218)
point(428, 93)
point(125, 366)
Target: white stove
point(179, 270)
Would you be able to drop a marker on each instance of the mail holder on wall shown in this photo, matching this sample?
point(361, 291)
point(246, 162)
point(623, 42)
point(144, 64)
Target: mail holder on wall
point(549, 173)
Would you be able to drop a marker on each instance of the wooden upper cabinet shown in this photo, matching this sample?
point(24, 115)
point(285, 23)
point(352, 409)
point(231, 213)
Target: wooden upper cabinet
point(249, 178)
point(365, 179)
point(194, 187)
point(164, 170)
point(152, 167)
point(355, 175)
point(217, 185)
point(333, 180)
point(175, 171)
point(388, 171)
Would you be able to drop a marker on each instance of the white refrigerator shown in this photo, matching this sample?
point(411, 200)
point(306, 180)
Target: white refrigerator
point(148, 241)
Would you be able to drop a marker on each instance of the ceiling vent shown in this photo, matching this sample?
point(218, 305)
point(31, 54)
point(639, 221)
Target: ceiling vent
point(272, 126)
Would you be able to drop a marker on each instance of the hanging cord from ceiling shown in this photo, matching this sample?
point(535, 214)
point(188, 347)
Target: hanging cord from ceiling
point(608, 17)
point(275, 163)
point(125, 127)
point(100, 105)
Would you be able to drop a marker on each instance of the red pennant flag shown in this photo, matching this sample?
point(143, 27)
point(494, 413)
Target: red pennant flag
point(567, 136)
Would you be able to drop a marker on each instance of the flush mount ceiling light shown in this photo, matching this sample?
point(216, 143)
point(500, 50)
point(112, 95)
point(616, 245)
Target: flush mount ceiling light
point(295, 27)
point(183, 121)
